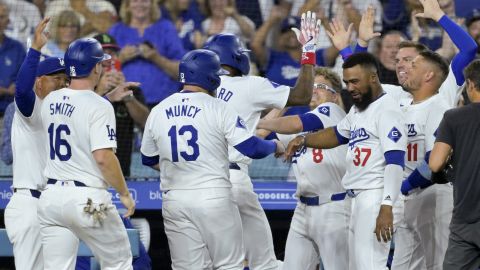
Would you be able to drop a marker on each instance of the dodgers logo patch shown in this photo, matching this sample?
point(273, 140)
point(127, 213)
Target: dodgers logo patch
point(394, 134)
point(356, 136)
point(240, 123)
point(411, 130)
point(325, 110)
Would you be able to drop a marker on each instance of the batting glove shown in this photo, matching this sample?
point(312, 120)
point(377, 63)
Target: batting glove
point(406, 187)
point(308, 36)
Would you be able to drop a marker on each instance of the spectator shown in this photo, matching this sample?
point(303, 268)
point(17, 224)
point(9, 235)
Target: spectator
point(24, 17)
point(151, 49)
point(12, 54)
point(223, 17)
point(282, 65)
point(65, 29)
point(129, 110)
point(387, 53)
point(346, 11)
point(96, 16)
point(473, 26)
point(6, 148)
point(188, 21)
point(41, 5)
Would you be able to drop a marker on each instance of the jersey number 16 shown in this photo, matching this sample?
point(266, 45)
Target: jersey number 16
point(56, 142)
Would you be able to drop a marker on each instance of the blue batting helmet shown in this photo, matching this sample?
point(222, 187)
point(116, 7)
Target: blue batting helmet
point(82, 55)
point(201, 68)
point(230, 51)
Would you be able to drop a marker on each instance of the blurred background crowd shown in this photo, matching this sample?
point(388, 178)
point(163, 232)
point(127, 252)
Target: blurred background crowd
point(146, 39)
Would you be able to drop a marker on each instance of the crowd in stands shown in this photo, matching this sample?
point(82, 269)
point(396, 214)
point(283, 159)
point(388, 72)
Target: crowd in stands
point(147, 38)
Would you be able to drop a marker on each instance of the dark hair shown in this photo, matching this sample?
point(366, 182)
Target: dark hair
point(419, 47)
point(472, 73)
point(437, 60)
point(366, 60)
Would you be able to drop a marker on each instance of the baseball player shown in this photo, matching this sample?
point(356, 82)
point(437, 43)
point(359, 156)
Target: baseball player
point(427, 212)
point(186, 137)
point(249, 96)
point(319, 227)
point(376, 137)
point(406, 243)
point(21, 220)
point(81, 164)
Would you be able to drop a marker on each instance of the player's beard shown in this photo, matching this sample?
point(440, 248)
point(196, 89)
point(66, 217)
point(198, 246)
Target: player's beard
point(366, 99)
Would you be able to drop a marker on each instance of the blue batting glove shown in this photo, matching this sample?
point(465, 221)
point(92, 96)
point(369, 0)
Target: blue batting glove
point(406, 187)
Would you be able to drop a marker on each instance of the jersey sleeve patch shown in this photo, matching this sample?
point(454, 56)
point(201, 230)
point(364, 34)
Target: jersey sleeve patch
point(394, 134)
point(240, 123)
point(325, 110)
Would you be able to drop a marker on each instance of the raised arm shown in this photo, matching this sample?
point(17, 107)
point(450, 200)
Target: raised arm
point(258, 43)
point(308, 35)
point(24, 94)
point(462, 40)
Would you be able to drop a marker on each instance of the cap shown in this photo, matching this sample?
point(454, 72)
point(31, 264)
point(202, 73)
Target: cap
point(107, 41)
point(472, 17)
point(291, 21)
point(50, 65)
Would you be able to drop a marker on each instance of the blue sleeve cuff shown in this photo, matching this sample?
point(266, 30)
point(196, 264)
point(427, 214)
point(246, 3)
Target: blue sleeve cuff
point(310, 122)
point(256, 148)
point(340, 138)
point(360, 49)
point(396, 157)
point(346, 52)
point(150, 161)
point(416, 179)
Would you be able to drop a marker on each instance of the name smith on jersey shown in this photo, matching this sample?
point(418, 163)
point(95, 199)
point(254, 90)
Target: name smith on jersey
point(61, 108)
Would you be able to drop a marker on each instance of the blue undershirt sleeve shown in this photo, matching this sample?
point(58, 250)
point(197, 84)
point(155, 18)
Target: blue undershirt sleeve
point(464, 42)
point(150, 161)
point(24, 94)
point(256, 148)
point(310, 122)
point(396, 157)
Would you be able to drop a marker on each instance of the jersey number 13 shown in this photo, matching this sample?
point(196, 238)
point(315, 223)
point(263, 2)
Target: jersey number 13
point(192, 142)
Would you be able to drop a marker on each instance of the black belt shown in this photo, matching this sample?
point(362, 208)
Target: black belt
point(75, 182)
point(35, 193)
point(234, 166)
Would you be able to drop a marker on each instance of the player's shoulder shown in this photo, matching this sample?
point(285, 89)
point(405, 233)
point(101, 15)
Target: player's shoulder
point(438, 103)
point(329, 108)
point(387, 102)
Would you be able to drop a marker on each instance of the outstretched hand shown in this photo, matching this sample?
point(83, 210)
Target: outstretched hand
point(293, 146)
point(310, 31)
point(339, 36)
point(121, 91)
point(431, 10)
point(40, 37)
point(365, 31)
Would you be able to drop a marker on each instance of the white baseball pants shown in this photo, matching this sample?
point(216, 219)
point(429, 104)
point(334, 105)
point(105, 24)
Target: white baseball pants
point(429, 213)
point(257, 235)
point(366, 253)
point(319, 232)
point(63, 221)
point(203, 219)
point(23, 230)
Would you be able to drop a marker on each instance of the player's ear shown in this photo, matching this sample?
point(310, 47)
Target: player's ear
point(429, 75)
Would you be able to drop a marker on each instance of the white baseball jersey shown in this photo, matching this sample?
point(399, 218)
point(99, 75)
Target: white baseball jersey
point(190, 132)
point(249, 96)
point(320, 171)
point(422, 121)
point(77, 122)
point(449, 90)
point(28, 149)
point(376, 130)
